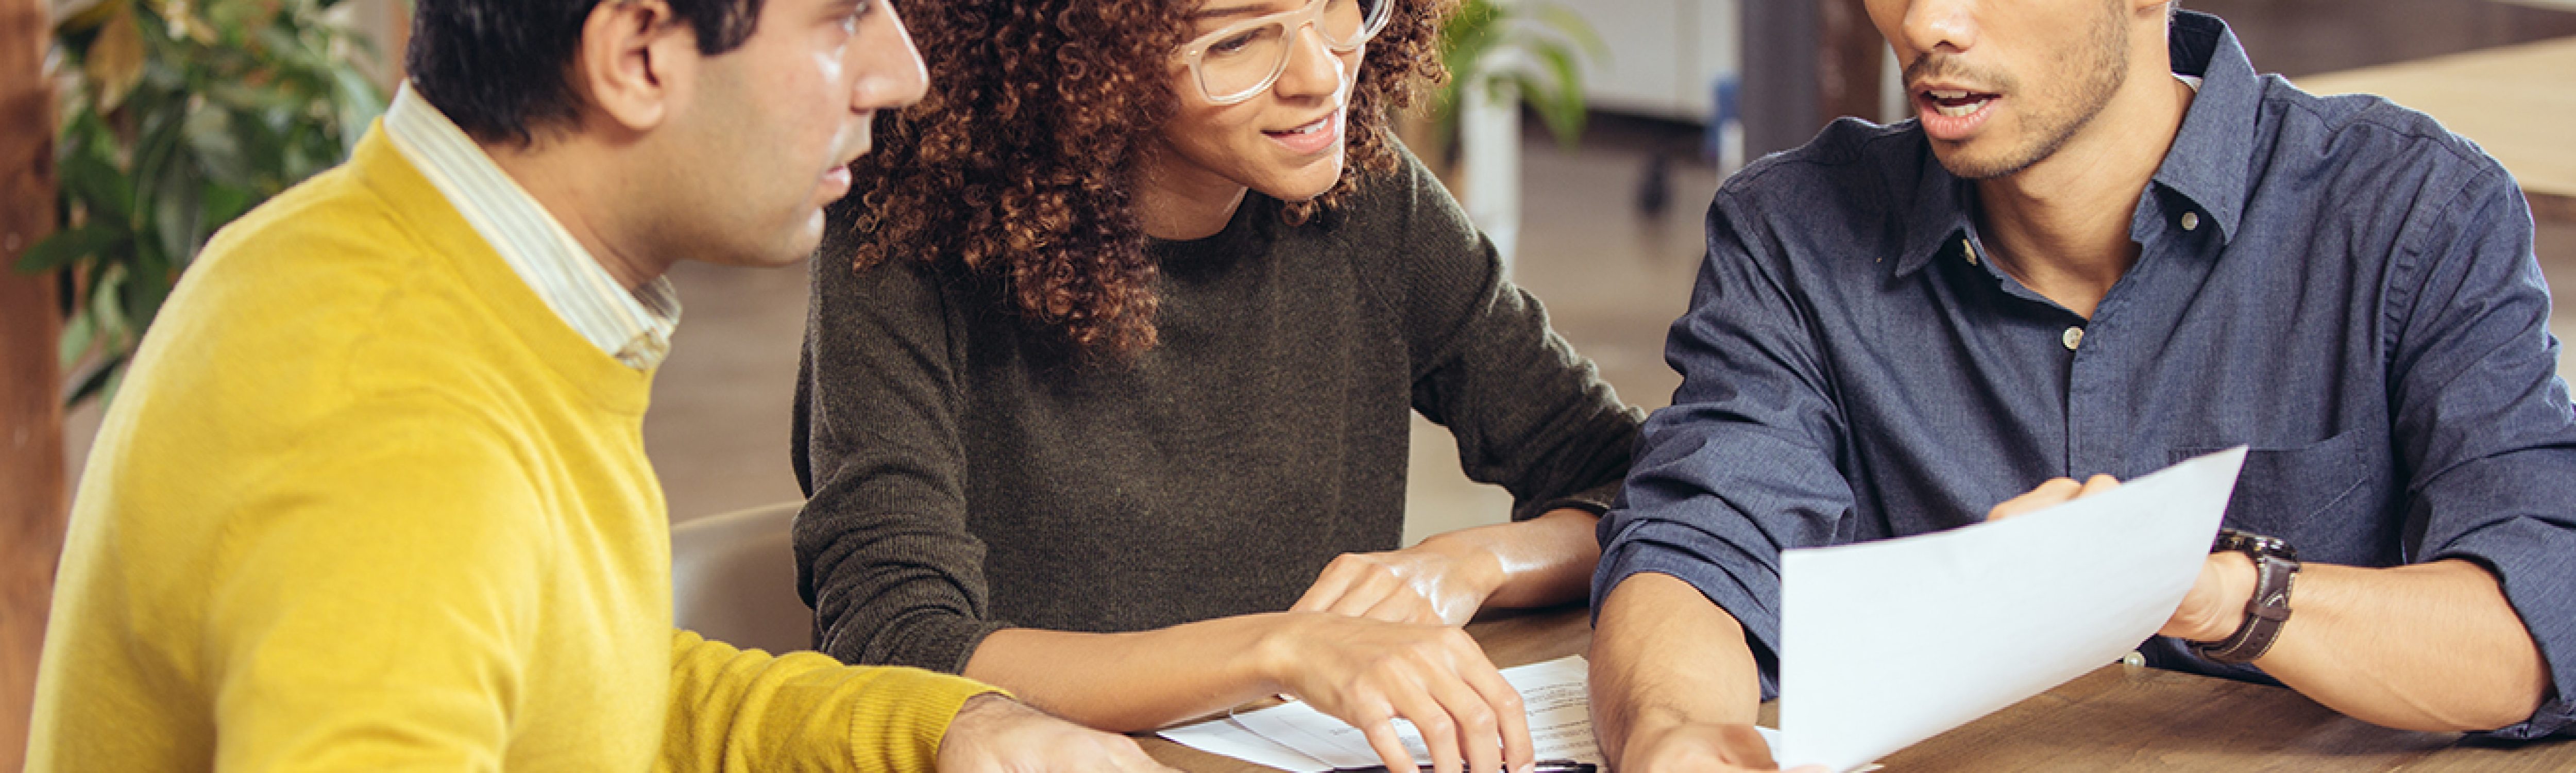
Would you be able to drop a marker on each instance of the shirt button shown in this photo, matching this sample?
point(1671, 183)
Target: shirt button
point(2134, 659)
point(2190, 220)
point(2074, 337)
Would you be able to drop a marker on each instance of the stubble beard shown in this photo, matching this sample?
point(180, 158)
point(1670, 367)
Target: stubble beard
point(2101, 74)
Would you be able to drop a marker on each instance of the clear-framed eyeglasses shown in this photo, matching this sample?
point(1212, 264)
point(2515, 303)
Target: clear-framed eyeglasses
point(1245, 58)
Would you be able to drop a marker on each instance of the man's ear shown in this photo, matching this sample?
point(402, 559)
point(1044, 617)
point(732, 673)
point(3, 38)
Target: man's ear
point(635, 58)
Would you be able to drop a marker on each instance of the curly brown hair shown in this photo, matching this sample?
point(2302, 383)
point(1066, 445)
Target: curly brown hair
point(1016, 163)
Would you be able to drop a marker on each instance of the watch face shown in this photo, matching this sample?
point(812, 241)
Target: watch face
point(2254, 544)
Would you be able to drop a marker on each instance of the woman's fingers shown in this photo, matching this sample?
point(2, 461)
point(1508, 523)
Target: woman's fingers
point(1511, 715)
point(1329, 586)
point(1389, 746)
point(1366, 592)
point(1368, 672)
point(1439, 731)
point(1404, 607)
point(1476, 722)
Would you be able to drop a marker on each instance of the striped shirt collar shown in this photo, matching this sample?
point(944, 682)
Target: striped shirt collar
point(634, 327)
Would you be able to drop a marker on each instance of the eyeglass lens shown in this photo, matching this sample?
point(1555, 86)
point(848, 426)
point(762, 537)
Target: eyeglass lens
point(1245, 59)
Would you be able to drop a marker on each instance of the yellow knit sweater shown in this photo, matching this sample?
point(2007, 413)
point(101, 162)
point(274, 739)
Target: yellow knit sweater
point(366, 503)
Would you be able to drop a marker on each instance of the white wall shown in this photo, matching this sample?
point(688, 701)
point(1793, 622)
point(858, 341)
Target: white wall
point(1665, 55)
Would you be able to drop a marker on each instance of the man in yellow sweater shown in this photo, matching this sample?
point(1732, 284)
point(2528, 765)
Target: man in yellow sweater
point(374, 494)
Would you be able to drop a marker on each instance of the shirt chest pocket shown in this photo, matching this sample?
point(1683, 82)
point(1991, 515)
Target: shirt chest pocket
point(2335, 480)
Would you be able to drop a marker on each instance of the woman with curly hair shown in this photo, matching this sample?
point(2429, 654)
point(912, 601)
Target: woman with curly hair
point(1107, 380)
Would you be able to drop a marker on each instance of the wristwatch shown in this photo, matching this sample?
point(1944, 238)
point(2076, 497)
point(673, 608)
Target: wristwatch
point(2275, 565)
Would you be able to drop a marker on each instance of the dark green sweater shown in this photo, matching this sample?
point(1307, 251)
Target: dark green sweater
point(965, 477)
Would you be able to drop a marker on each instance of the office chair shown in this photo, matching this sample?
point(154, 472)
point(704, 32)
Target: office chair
point(733, 579)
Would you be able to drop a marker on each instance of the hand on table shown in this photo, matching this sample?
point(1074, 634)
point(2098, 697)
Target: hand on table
point(1420, 584)
point(994, 734)
point(1677, 746)
point(1369, 672)
point(2216, 602)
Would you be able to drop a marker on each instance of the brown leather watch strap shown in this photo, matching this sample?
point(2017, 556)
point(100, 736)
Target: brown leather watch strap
point(2265, 613)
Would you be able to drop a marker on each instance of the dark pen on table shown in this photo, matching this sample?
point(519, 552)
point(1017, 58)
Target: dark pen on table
point(1542, 766)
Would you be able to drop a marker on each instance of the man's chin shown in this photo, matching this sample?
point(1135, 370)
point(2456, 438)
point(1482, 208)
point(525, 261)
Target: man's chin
point(784, 248)
point(1966, 164)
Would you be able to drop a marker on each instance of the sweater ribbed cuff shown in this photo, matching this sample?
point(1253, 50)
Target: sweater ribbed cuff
point(905, 735)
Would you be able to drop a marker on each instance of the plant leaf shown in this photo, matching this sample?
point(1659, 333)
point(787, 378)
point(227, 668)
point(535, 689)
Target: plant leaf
point(63, 247)
point(360, 104)
point(115, 60)
point(209, 134)
point(84, 15)
point(115, 381)
point(1529, 47)
point(1571, 25)
point(91, 180)
point(102, 305)
point(78, 332)
point(142, 295)
point(99, 380)
point(175, 218)
point(1562, 107)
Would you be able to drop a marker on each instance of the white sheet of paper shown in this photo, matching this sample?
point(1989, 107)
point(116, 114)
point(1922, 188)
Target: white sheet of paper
point(1887, 643)
point(1295, 737)
point(1230, 738)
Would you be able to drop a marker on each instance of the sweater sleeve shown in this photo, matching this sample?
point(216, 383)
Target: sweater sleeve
point(882, 550)
point(400, 504)
point(1529, 413)
point(745, 710)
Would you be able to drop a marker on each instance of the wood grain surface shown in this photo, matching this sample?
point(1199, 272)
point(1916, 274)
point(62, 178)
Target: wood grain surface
point(2118, 718)
point(32, 498)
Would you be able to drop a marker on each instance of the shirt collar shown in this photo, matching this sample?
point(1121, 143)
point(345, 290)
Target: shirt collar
point(633, 327)
point(2207, 163)
point(2214, 151)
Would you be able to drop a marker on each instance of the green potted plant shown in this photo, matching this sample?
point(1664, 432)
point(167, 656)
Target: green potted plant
point(1502, 54)
point(177, 117)
point(1517, 49)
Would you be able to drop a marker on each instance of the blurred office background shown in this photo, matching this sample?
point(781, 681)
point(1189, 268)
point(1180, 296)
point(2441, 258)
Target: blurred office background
point(1604, 229)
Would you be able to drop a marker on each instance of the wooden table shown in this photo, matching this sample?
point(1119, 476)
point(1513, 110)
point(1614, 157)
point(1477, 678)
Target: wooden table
point(2517, 102)
point(2118, 718)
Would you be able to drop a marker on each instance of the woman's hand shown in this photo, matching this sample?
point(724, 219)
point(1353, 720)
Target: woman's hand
point(1429, 583)
point(1369, 672)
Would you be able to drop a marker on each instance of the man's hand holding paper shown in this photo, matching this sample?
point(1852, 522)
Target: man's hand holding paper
point(2025, 603)
point(2213, 607)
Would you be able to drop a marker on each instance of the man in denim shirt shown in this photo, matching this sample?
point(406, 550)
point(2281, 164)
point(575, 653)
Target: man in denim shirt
point(2107, 245)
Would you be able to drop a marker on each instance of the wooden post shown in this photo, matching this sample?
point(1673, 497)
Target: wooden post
point(1850, 61)
point(32, 500)
point(1805, 64)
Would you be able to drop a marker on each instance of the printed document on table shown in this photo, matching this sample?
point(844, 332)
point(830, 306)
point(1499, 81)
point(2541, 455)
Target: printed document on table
point(1887, 643)
point(1297, 738)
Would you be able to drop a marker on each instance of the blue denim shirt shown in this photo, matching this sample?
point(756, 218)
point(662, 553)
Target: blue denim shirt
point(2336, 282)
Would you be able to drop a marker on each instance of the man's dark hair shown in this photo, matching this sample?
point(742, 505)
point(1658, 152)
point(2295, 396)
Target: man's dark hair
point(499, 68)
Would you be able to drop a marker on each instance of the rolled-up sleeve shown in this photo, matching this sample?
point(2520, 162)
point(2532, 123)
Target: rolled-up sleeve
point(1743, 464)
point(2483, 423)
